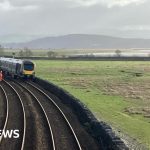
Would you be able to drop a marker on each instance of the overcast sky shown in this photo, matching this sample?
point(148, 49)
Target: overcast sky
point(124, 18)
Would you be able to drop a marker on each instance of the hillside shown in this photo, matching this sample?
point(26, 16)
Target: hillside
point(73, 41)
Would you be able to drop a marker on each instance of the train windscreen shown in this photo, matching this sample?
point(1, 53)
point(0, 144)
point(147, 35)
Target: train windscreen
point(29, 67)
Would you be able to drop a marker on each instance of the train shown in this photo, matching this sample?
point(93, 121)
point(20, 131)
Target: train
point(17, 68)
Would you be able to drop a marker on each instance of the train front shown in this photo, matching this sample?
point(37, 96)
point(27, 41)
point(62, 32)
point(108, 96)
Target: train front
point(28, 69)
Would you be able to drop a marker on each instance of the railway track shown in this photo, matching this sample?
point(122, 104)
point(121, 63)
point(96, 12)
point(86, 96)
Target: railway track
point(40, 120)
point(14, 120)
point(39, 133)
point(4, 111)
point(63, 133)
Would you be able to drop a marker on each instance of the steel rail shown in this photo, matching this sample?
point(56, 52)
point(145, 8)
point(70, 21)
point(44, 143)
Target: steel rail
point(50, 128)
point(67, 121)
point(7, 112)
point(24, 115)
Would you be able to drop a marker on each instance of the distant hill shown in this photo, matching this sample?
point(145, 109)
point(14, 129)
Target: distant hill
point(17, 38)
point(80, 41)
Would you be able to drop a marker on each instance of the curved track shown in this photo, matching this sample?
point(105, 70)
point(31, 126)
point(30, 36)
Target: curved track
point(41, 121)
point(64, 135)
point(6, 111)
point(39, 135)
point(15, 119)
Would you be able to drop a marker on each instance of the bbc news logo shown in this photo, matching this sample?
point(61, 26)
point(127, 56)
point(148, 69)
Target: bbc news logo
point(9, 134)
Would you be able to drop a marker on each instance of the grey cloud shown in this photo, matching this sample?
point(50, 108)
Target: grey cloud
point(108, 3)
point(6, 5)
point(55, 17)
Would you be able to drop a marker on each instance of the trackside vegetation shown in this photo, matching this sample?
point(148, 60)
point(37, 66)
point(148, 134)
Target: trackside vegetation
point(116, 92)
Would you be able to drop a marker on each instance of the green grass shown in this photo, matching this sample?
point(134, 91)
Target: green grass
point(108, 89)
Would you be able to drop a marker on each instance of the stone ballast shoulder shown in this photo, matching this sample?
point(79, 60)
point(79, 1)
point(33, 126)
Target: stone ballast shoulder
point(98, 129)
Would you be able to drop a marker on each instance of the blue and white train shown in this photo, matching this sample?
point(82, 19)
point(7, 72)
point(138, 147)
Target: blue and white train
point(17, 68)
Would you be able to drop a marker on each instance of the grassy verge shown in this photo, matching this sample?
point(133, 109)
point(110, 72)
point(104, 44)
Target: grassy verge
point(116, 92)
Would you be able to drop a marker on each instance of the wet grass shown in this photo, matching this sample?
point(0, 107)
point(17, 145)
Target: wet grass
point(116, 92)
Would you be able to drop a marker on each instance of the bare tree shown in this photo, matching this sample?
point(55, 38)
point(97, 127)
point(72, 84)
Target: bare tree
point(27, 52)
point(21, 53)
point(13, 54)
point(118, 53)
point(1, 51)
point(51, 54)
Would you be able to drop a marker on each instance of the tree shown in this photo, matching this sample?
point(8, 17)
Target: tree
point(13, 54)
point(21, 53)
point(27, 52)
point(118, 53)
point(51, 54)
point(1, 51)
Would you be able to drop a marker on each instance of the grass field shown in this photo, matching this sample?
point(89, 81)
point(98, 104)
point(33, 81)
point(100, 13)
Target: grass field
point(116, 92)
